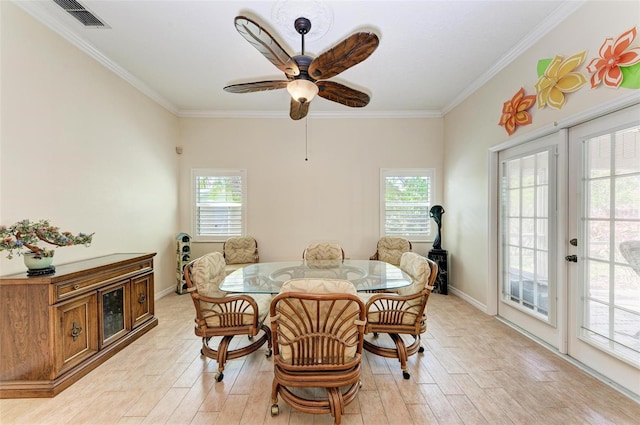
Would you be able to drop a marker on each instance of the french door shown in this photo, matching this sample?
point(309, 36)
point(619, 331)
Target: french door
point(530, 285)
point(604, 220)
point(569, 243)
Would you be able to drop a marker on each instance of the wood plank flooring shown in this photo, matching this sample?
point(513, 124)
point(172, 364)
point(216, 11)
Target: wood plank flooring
point(475, 370)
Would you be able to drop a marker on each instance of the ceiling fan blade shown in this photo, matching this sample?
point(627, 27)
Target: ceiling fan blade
point(267, 45)
point(340, 93)
point(256, 86)
point(298, 110)
point(349, 52)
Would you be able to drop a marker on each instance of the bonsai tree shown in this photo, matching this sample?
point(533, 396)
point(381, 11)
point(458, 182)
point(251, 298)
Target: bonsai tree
point(27, 234)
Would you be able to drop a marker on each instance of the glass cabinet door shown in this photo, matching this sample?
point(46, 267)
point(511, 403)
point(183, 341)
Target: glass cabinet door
point(113, 309)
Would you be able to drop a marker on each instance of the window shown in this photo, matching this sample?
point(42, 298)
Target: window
point(405, 200)
point(219, 204)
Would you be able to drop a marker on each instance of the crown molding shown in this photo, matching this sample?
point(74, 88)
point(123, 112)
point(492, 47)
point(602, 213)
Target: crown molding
point(556, 18)
point(559, 15)
point(37, 12)
point(316, 115)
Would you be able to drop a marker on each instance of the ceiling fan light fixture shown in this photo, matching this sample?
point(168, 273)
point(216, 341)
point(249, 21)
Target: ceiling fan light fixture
point(302, 90)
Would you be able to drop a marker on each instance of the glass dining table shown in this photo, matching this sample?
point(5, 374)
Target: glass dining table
point(267, 278)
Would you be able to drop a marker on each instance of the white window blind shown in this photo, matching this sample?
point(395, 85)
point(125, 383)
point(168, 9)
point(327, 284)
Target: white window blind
point(219, 204)
point(405, 202)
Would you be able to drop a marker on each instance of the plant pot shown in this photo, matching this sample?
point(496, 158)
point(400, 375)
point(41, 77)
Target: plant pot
point(35, 261)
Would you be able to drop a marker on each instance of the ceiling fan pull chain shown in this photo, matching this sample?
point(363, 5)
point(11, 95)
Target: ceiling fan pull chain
point(306, 139)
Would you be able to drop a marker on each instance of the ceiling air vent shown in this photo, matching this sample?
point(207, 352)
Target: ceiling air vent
point(79, 12)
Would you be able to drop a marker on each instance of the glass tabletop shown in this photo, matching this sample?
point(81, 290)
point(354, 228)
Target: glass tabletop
point(267, 278)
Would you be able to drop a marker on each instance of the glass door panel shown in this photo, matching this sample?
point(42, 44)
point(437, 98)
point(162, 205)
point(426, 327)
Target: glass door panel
point(527, 257)
point(114, 319)
point(605, 215)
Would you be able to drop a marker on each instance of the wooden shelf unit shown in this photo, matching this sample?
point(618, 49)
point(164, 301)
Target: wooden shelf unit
point(55, 329)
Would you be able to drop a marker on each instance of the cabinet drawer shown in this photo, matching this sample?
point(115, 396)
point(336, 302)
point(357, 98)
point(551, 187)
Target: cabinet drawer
point(72, 288)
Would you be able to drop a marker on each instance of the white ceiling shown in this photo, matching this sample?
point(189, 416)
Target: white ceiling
point(432, 54)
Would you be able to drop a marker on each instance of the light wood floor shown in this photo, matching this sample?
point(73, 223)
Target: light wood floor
point(475, 370)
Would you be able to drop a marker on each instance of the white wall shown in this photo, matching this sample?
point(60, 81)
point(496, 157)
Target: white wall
point(472, 128)
point(83, 148)
point(332, 196)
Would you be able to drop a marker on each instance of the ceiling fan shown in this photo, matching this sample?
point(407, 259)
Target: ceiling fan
point(307, 76)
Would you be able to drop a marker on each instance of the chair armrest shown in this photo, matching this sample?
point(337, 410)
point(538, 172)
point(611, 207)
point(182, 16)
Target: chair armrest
point(226, 300)
point(391, 296)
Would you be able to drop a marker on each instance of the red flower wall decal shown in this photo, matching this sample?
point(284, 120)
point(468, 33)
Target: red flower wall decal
point(514, 111)
point(613, 55)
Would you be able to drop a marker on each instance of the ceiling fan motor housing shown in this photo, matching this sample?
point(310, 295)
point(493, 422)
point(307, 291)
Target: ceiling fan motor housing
point(302, 25)
point(303, 62)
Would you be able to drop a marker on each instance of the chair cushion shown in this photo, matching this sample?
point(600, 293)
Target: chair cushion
point(390, 249)
point(323, 251)
point(239, 250)
point(319, 286)
point(417, 267)
point(207, 273)
point(264, 302)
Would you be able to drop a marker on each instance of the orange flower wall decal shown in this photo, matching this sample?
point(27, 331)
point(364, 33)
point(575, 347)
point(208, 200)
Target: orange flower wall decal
point(613, 55)
point(514, 111)
point(558, 79)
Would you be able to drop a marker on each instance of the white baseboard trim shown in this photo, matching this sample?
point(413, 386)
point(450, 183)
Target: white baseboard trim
point(467, 298)
point(164, 292)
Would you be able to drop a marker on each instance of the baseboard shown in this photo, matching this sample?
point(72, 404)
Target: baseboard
point(164, 292)
point(468, 299)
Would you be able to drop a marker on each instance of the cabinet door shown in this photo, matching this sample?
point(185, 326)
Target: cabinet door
point(142, 299)
point(114, 315)
point(76, 332)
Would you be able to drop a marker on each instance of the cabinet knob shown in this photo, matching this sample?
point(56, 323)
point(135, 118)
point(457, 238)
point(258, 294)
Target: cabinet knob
point(142, 298)
point(76, 286)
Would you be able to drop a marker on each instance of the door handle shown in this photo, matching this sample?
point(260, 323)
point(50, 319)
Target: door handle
point(571, 258)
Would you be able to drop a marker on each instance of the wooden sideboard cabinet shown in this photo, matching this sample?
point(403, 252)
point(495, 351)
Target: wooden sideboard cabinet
point(54, 329)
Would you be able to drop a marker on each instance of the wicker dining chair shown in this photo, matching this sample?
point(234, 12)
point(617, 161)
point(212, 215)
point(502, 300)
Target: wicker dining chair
point(402, 313)
point(219, 314)
point(318, 331)
point(323, 251)
point(391, 248)
point(239, 251)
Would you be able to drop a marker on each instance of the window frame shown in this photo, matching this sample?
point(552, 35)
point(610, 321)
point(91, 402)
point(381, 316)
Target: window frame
point(430, 174)
point(197, 173)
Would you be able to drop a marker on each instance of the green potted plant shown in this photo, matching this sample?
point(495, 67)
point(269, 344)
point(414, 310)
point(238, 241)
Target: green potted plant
point(26, 234)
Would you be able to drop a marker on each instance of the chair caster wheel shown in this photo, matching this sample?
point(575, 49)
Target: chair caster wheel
point(360, 384)
point(375, 334)
point(219, 376)
point(405, 374)
point(421, 350)
point(275, 410)
point(268, 353)
point(250, 337)
point(201, 352)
